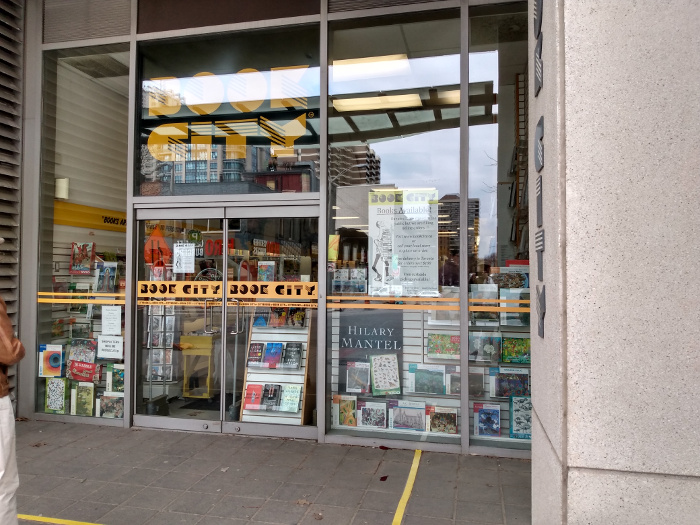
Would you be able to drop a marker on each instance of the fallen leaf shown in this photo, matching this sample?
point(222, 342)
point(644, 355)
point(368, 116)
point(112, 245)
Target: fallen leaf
point(303, 502)
point(318, 516)
point(383, 478)
point(224, 469)
point(39, 444)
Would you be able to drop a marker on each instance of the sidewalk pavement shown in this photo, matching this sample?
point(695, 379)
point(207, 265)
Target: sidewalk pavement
point(116, 476)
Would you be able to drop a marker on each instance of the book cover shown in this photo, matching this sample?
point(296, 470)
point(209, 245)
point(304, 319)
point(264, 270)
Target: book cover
point(296, 317)
point(253, 397)
point(82, 350)
point(291, 357)
point(358, 375)
point(80, 290)
point(385, 374)
point(273, 355)
point(443, 346)
point(81, 330)
point(347, 411)
point(266, 271)
point(487, 419)
point(516, 298)
point(483, 296)
point(106, 277)
point(509, 381)
point(110, 405)
point(50, 360)
point(271, 397)
point(407, 415)
point(82, 257)
point(290, 397)
point(521, 417)
point(115, 377)
point(477, 385)
point(443, 420)
point(86, 372)
point(57, 395)
point(82, 399)
point(453, 380)
point(515, 349)
point(278, 316)
point(261, 317)
point(255, 354)
point(484, 347)
point(371, 414)
point(426, 379)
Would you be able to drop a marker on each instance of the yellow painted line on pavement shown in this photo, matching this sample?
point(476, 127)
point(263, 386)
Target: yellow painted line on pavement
point(401, 508)
point(57, 521)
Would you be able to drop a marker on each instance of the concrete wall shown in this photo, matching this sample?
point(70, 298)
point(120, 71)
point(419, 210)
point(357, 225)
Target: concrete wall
point(616, 376)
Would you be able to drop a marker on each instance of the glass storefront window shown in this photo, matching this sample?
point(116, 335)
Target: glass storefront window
point(497, 240)
point(394, 222)
point(248, 101)
point(82, 237)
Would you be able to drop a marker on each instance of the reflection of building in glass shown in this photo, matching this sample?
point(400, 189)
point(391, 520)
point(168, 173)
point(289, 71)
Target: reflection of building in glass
point(448, 224)
point(473, 228)
point(352, 165)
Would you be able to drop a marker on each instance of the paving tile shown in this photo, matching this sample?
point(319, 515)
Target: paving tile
point(271, 472)
point(517, 495)
point(297, 491)
point(359, 465)
point(177, 480)
point(112, 493)
point(42, 505)
point(470, 475)
point(422, 520)
point(515, 465)
point(236, 507)
point(140, 476)
point(87, 511)
point(309, 475)
point(300, 447)
point(371, 517)
point(75, 489)
point(194, 502)
point(217, 482)
point(131, 459)
point(216, 520)
point(174, 518)
point(350, 480)
point(106, 472)
point(162, 462)
point(439, 472)
point(478, 462)
point(328, 514)
point(383, 481)
point(253, 488)
point(435, 487)
point(127, 516)
point(261, 443)
point(478, 492)
point(285, 513)
point(516, 478)
point(429, 507)
point(321, 462)
point(518, 515)
point(479, 512)
point(381, 501)
point(198, 466)
point(40, 485)
point(285, 458)
point(340, 497)
point(399, 455)
point(374, 454)
point(153, 498)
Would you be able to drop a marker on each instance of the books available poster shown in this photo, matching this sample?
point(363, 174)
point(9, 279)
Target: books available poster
point(521, 417)
point(487, 419)
point(443, 346)
point(403, 241)
point(385, 374)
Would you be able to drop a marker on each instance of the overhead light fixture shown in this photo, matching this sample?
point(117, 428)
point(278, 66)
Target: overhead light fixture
point(344, 218)
point(410, 100)
point(449, 97)
point(369, 67)
point(62, 189)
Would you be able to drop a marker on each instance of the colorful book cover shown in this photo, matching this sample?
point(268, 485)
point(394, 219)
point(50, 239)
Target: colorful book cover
point(290, 397)
point(487, 419)
point(278, 316)
point(82, 399)
point(253, 397)
point(521, 417)
point(426, 379)
point(271, 397)
point(443, 346)
point(291, 357)
point(81, 330)
point(371, 414)
point(255, 354)
point(261, 317)
point(50, 360)
point(86, 372)
point(484, 347)
point(115, 377)
point(515, 349)
point(82, 350)
point(110, 405)
point(106, 278)
point(509, 381)
point(57, 395)
point(407, 415)
point(358, 375)
point(266, 271)
point(347, 411)
point(296, 317)
point(443, 420)
point(82, 257)
point(385, 374)
point(273, 355)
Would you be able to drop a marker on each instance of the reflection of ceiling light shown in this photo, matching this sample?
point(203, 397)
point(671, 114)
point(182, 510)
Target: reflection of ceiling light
point(449, 97)
point(443, 216)
point(446, 233)
point(369, 67)
point(336, 207)
point(344, 218)
point(355, 225)
point(411, 100)
point(444, 222)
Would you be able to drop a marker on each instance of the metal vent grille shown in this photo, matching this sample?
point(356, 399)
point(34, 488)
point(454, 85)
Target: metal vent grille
point(67, 20)
point(11, 52)
point(336, 6)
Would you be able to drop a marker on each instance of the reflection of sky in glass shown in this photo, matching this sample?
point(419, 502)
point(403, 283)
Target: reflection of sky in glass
point(392, 75)
point(241, 87)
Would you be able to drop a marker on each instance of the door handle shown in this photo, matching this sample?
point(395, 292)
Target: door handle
point(206, 323)
point(237, 330)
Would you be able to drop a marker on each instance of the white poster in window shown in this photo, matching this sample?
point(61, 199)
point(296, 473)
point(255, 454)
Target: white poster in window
point(111, 320)
point(183, 257)
point(110, 347)
point(403, 242)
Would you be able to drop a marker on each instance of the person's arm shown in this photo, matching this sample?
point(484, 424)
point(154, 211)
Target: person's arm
point(11, 348)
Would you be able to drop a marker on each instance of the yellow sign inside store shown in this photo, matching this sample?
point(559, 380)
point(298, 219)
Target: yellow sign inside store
point(277, 290)
point(69, 214)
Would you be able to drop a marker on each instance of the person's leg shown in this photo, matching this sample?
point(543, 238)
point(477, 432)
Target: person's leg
point(9, 478)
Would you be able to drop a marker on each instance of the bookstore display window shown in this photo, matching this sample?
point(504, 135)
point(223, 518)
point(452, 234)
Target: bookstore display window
point(81, 267)
point(227, 333)
point(230, 114)
point(497, 240)
point(394, 337)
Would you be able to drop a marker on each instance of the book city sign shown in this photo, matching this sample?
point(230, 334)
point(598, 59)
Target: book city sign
point(240, 290)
